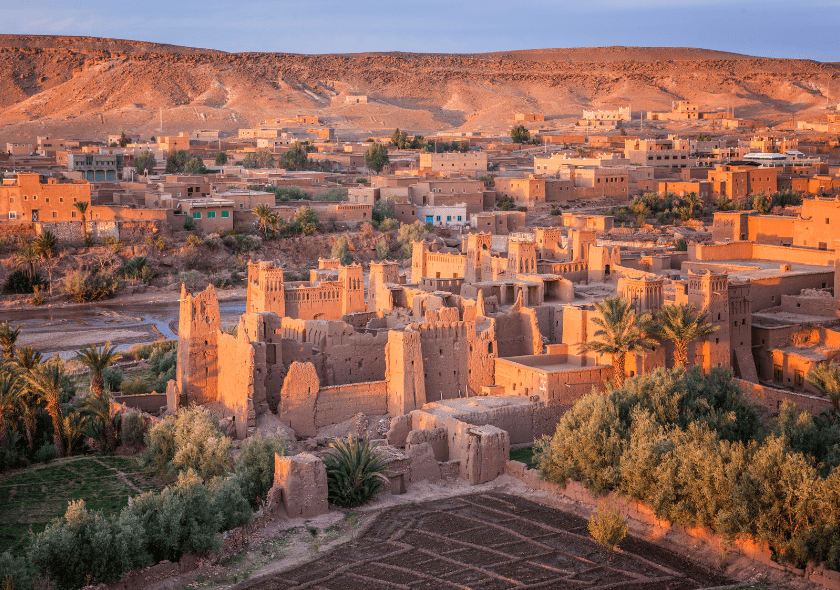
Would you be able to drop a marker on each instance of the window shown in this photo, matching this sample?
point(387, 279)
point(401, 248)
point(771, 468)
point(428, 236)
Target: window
point(448, 218)
point(196, 214)
point(798, 378)
point(437, 218)
point(25, 198)
point(459, 218)
point(72, 214)
point(12, 214)
point(211, 215)
point(54, 214)
point(777, 373)
point(60, 199)
point(225, 214)
point(47, 199)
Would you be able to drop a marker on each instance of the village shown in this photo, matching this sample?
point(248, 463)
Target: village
point(453, 298)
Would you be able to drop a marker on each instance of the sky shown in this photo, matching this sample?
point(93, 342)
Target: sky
point(808, 29)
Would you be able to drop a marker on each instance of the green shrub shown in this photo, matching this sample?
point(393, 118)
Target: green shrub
point(134, 387)
point(113, 378)
point(607, 527)
point(681, 245)
point(191, 439)
point(46, 453)
point(193, 241)
point(388, 224)
point(86, 547)
point(138, 269)
point(19, 283)
point(229, 501)
point(255, 466)
point(134, 428)
point(13, 573)
point(84, 286)
point(189, 224)
point(341, 251)
point(354, 472)
point(163, 365)
point(690, 447)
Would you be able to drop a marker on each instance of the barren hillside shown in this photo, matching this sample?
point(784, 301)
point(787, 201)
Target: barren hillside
point(82, 88)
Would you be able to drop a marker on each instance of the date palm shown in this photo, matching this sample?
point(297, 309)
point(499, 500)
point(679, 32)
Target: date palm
point(620, 332)
point(98, 420)
point(27, 258)
point(82, 207)
point(97, 359)
point(8, 338)
point(27, 360)
point(826, 378)
point(682, 324)
point(266, 217)
point(45, 382)
point(46, 245)
point(10, 402)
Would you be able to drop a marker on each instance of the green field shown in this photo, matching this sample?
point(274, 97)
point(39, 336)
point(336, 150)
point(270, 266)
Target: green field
point(524, 455)
point(30, 498)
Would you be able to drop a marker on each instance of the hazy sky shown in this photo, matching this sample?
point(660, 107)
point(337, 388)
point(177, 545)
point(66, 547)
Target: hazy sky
point(774, 28)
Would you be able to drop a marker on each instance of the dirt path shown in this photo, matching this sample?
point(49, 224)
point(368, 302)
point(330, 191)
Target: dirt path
point(122, 476)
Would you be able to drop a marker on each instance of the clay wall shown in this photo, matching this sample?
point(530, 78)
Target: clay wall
point(341, 402)
point(151, 403)
point(772, 229)
point(550, 377)
point(445, 353)
point(770, 399)
point(821, 306)
point(818, 223)
point(444, 265)
point(241, 386)
point(517, 332)
point(51, 201)
point(406, 385)
point(767, 292)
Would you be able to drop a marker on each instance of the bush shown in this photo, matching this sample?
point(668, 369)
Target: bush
point(408, 234)
point(191, 439)
point(134, 387)
point(189, 224)
point(388, 224)
point(193, 241)
point(693, 450)
point(86, 547)
point(163, 365)
point(555, 211)
point(19, 283)
point(354, 472)
point(46, 453)
point(341, 251)
point(255, 466)
point(229, 501)
point(383, 252)
point(607, 527)
point(134, 428)
point(681, 245)
point(84, 286)
point(13, 573)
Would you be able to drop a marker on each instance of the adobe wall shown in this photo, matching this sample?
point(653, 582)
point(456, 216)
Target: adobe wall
point(770, 399)
point(527, 376)
point(517, 332)
point(241, 386)
point(150, 403)
point(70, 232)
point(801, 255)
point(341, 402)
point(771, 229)
point(445, 351)
point(821, 306)
point(767, 292)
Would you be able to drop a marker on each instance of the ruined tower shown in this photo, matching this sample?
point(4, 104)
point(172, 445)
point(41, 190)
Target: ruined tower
point(381, 274)
point(645, 292)
point(709, 293)
point(266, 291)
point(418, 261)
point(581, 240)
point(198, 363)
point(549, 241)
point(353, 298)
point(476, 244)
point(522, 257)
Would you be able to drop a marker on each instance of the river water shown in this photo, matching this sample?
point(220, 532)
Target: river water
point(64, 331)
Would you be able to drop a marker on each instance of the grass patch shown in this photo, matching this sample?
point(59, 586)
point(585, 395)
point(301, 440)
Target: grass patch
point(32, 497)
point(524, 455)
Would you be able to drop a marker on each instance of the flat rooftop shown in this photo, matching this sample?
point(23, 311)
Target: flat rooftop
point(745, 269)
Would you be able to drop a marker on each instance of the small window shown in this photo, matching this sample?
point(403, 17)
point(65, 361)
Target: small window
point(196, 214)
point(55, 214)
point(448, 218)
point(225, 214)
point(211, 215)
point(60, 199)
point(25, 198)
point(459, 218)
point(12, 214)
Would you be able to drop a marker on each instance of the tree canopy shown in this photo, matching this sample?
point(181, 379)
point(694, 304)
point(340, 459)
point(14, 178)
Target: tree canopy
point(376, 157)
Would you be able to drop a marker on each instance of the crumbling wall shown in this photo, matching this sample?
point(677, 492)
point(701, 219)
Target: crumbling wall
point(518, 332)
point(342, 402)
point(770, 399)
point(242, 368)
point(298, 398)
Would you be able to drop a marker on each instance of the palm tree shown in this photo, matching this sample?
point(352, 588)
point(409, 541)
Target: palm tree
point(10, 402)
point(46, 245)
point(265, 215)
point(826, 378)
point(28, 258)
point(621, 332)
point(681, 324)
point(8, 338)
point(82, 207)
point(98, 424)
point(97, 359)
point(45, 382)
point(27, 358)
point(693, 201)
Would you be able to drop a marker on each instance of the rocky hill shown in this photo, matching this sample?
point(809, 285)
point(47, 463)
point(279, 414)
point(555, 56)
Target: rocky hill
point(80, 87)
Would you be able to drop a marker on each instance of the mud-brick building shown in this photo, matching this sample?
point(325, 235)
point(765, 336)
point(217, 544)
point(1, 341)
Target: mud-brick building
point(30, 198)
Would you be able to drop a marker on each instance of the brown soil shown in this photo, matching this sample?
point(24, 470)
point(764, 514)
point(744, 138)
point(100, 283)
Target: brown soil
point(82, 88)
point(487, 541)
